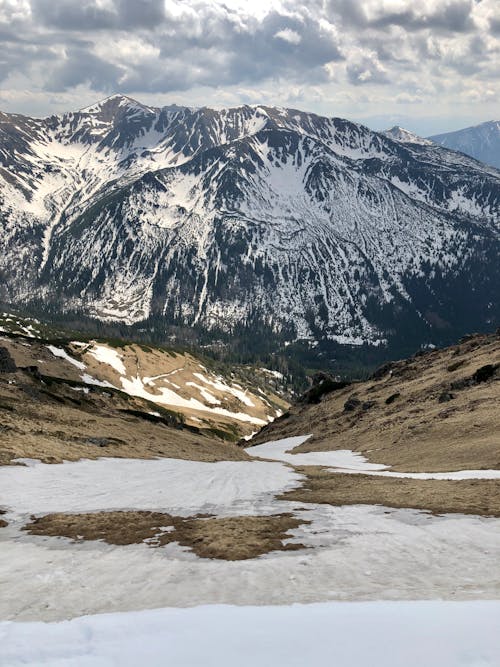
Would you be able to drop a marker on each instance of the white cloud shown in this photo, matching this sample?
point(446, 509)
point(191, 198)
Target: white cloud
point(289, 36)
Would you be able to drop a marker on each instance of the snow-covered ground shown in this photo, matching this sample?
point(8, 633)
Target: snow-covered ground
point(172, 485)
point(359, 634)
point(143, 387)
point(352, 552)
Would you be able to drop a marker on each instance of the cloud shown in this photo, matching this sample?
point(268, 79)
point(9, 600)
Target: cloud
point(289, 36)
point(82, 67)
point(448, 15)
point(367, 70)
point(98, 15)
point(349, 53)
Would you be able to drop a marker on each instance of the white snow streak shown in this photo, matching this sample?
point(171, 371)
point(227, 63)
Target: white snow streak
point(107, 355)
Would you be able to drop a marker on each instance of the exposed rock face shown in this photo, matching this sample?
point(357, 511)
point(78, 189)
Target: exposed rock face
point(7, 364)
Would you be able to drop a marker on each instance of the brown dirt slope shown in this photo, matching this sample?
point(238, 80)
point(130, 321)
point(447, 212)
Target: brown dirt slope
point(437, 411)
point(232, 538)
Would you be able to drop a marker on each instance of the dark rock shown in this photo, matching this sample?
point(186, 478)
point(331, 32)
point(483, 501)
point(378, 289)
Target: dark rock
point(461, 384)
point(445, 397)
point(390, 399)
point(34, 371)
point(7, 363)
point(322, 384)
point(382, 371)
point(453, 367)
point(367, 405)
point(482, 374)
point(485, 373)
point(100, 442)
point(351, 404)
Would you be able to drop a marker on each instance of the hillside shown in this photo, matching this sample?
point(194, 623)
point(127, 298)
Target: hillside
point(256, 223)
point(437, 411)
point(64, 399)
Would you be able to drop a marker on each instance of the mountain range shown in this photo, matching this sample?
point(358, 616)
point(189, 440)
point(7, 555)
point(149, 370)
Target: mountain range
point(254, 221)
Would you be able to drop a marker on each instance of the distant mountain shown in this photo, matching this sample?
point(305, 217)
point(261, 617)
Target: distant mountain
point(260, 223)
point(480, 141)
point(405, 136)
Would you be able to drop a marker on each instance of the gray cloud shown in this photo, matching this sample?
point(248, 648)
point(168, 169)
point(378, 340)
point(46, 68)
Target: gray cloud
point(448, 15)
point(495, 25)
point(82, 67)
point(89, 15)
point(360, 51)
point(207, 47)
point(366, 71)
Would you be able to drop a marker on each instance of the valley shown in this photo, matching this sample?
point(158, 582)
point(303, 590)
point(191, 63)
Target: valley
point(310, 504)
point(194, 421)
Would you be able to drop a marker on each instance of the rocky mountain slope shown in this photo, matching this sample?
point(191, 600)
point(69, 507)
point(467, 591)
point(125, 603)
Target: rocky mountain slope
point(254, 220)
point(480, 141)
point(62, 398)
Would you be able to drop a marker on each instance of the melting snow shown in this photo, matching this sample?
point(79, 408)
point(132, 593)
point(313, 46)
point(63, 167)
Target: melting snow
point(347, 461)
point(62, 354)
point(165, 396)
point(354, 552)
point(108, 356)
point(222, 386)
point(173, 485)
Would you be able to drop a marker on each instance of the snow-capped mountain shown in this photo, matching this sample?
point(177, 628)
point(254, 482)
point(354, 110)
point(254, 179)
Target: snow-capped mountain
point(305, 226)
point(480, 141)
point(405, 136)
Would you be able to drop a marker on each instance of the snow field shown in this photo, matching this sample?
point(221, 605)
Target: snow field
point(137, 386)
point(352, 552)
point(360, 634)
point(172, 485)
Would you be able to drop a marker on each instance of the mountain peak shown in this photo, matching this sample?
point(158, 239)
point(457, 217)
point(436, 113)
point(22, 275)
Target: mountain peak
point(405, 136)
point(276, 222)
point(115, 101)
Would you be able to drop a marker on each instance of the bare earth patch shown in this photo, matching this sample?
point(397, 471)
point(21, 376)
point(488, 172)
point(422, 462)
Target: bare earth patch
point(231, 538)
point(471, 496)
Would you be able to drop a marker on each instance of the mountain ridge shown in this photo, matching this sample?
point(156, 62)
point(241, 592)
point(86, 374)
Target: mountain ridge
point(313, 228)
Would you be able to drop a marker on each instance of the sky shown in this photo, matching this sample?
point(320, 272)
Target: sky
point(428, 65)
